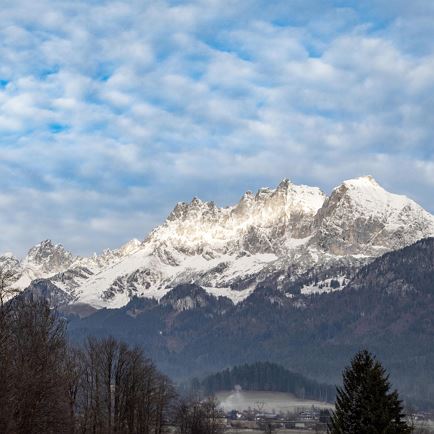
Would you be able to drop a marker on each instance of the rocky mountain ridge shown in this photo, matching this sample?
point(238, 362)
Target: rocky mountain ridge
point(292, 238)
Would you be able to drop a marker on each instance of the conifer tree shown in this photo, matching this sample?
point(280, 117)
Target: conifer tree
point(365, 404)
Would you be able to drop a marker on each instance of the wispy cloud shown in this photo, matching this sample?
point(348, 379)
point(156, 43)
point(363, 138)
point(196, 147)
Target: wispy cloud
point(111, 111)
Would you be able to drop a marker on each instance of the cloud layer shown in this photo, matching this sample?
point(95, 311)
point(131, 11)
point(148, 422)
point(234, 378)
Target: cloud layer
point(112, 111)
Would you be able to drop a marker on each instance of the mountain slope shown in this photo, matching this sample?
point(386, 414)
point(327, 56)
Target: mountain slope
point(387, 307)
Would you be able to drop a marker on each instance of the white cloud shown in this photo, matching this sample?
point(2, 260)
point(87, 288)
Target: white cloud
point(110, 112)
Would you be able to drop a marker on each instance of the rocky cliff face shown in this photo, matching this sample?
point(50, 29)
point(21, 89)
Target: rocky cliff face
point(44, 259)
point(260, 223)
point(47, 257)
point(292, 238)
point(360, 217)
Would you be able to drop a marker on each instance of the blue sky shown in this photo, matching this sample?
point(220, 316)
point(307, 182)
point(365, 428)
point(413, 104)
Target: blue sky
point(112, 111)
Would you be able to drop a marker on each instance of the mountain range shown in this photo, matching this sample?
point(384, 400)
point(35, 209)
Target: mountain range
point(292, 238)
point(287, 275)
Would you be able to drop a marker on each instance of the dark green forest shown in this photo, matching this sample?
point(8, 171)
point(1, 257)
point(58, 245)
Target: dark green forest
point(266, 376)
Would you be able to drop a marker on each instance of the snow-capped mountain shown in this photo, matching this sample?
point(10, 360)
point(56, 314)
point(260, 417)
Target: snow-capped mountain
point(47, 259)
point(292, 238)
point(42, 260)
point(360, 217)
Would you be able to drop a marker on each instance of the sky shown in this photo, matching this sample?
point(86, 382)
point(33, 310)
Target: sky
point(113, 111)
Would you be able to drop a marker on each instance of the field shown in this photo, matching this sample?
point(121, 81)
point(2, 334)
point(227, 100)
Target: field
point(266, 401)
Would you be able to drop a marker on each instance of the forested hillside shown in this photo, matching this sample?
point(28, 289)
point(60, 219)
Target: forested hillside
point(266, 376)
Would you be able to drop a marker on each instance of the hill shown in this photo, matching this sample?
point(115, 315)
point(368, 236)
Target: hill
point(269, 377)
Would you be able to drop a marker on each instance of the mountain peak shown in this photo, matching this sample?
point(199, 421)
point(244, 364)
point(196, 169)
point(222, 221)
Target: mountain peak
point(184, 210)
point(263, 193)
point(48, 255)
point(361, 217)
point(284, 184)
point(196, 201)
point(248, 195)
point(370, 195)
point(366, 181)
point(44, 247)
point(44, 244)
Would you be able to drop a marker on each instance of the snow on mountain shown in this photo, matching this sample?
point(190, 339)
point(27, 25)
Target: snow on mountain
point(257, 224)
point(360, 217)
point(293, 238)
point(49, 260)
point(43, 260)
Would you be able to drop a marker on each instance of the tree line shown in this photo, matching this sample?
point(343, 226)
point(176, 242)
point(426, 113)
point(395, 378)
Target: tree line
point(103, 387)
point(268, 377)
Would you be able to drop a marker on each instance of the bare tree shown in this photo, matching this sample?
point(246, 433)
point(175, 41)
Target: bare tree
point(6, 372)
point(121, 391)
point(37, 345)
point(72, 374)
point(46, 386)
point(194, 416)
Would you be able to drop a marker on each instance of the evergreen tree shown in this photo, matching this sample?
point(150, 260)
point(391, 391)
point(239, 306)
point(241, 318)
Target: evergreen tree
point(365, 404)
